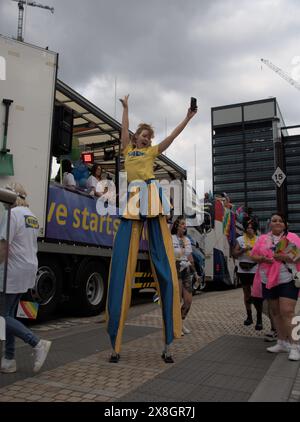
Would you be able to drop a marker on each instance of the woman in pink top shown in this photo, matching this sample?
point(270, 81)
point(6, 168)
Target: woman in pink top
point(274, 282)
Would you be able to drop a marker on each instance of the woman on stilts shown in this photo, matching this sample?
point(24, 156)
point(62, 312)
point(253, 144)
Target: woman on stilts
point(139, 160)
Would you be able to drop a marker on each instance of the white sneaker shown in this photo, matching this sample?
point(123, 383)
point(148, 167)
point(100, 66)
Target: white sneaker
point(271, 336)
point(294, 353)
point(8, 366)
point(280, 347)
point(41, 351)
point(185, 330)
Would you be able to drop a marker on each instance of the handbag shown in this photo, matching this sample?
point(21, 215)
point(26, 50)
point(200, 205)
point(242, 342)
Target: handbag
point(247, 266)
point(295, 275)
point(296, 278)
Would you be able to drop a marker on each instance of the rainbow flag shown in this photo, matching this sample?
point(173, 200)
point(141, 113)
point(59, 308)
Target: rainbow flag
point(226, 222)
point(288, 248)
point(27, 309)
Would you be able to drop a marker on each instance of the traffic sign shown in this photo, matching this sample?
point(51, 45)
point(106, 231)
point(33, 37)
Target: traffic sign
point(278, 177)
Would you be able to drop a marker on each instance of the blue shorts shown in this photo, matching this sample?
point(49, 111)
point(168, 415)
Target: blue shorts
point(288, 290)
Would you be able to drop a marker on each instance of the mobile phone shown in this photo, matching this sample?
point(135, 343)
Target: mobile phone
point(193, 103)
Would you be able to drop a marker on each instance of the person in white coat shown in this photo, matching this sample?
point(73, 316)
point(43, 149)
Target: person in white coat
point(22, 267)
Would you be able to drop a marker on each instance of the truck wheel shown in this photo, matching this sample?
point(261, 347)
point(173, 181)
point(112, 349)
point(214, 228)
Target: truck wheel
point(90, 296)
point(48, 287)
point(202, 283)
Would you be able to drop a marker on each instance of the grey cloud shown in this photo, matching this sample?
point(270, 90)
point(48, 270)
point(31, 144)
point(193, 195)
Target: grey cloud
point(159, 48)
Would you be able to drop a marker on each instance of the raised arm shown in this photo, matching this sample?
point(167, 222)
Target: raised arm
point(169, 139)
point(125, 122)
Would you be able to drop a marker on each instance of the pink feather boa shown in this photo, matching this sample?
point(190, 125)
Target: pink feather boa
point(262, 247)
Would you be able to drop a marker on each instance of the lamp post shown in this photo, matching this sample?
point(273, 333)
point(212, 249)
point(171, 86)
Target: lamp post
point(279, 162)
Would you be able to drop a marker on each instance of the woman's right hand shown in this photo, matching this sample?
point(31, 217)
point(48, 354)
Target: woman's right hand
point(266, 260)
point(191, 113)
point(124, 101)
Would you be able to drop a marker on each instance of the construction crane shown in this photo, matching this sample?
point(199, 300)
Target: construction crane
point(21, 14)
point(281, 73)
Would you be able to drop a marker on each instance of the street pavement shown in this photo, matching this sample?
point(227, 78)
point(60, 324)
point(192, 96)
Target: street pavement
point(221, 360)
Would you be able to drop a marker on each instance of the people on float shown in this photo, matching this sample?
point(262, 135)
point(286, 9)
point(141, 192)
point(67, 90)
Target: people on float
point(68, 179)
point(139, 162)
point(93, 181)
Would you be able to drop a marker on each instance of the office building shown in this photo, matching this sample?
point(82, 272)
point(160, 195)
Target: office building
point(291, 148)
point(244, 136)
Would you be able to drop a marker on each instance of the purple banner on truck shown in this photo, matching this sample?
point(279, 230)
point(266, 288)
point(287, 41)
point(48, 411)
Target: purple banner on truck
point(73, 217)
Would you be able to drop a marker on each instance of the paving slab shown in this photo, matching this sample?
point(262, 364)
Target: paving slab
point(278, 383)
point(227, 369)
point(69, 348)
point(221, 360)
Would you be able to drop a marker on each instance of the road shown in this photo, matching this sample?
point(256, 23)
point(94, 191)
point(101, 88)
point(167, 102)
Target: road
point(230, 359)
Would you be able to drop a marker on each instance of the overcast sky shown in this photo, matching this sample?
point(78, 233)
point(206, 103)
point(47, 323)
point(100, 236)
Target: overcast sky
point(163, 52)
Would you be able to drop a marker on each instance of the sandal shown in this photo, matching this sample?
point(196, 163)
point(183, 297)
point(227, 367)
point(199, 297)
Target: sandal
point(114, 358)
point(167, 358)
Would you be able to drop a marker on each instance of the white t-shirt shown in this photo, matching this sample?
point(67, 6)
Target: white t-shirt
point(92, 182)
point(182, 250)
point(107, 190)
point(244, 258)
point(285, 275)
point(68, 180)
point(22, 259)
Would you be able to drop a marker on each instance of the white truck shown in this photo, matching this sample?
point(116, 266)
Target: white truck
point(75, 243)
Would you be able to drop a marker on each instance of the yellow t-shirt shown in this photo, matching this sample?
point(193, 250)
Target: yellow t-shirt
point(139, 162)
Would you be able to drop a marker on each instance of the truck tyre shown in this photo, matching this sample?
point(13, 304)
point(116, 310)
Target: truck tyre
point(202, 283)
point(90, 296)
point(48, 287)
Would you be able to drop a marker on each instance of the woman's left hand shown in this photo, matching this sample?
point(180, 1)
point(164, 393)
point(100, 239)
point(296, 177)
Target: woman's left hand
point(124, 101)
point(283, 258)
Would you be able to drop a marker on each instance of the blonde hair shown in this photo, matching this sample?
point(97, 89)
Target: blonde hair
point(21, 194)
point(140, 128)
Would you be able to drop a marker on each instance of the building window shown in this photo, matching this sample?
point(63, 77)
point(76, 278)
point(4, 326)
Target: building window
point(224, 168)
point(235, 158)
point(263, 184)
point(227, 149)
point(230, 187)
point(267, 194)
point(228, 177)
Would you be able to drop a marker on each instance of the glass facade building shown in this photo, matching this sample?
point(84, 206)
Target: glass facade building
point(291, 147)
point(243, 138)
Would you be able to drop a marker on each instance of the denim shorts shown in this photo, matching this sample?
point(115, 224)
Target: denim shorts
point(288, 290)
point(246, 279)
point(185, 277)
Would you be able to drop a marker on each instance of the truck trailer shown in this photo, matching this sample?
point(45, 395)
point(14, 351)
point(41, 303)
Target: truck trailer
point(48, 121)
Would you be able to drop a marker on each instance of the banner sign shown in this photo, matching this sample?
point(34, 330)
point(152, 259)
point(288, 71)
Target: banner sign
point(73, 217)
